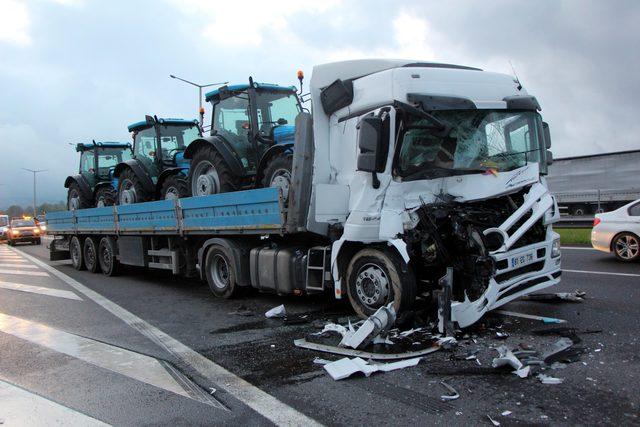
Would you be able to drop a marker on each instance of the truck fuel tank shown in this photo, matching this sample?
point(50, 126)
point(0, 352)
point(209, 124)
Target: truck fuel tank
point(279, 270)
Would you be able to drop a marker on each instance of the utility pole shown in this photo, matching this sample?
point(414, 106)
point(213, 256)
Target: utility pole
point(200, 107)
point(34, 172)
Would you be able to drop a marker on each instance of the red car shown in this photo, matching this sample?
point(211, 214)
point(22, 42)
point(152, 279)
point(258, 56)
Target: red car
point(23, 230)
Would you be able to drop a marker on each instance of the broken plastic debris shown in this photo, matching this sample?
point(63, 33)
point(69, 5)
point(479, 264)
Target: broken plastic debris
point(346, 367)
point(546, 379)
point(523, 372)
point(275, 312)
point(303, 343)
point(506, 358)
point(377, 323)
point(506, 413)
point(494, 422)
point(502, 335)
point(453, 394)
point(321, 361)
point(447, 342)
point(381, 340)
point(575, 296)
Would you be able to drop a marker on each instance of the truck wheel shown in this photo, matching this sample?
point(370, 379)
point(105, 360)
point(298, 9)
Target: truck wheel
point(174, 187)
point(105, 196)
point(278, 173)
point(209, 174)
point(130, 189)
point(579, 211)
point(75, 250)
point(107, 257)
point(76, 199)
point(221, 276)
point(90, 254)
point(37, 242)
point(626, 247)
point(375, 278)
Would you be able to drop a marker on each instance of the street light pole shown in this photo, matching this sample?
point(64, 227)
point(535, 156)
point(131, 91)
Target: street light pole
point(199, 86)
point(34, 172)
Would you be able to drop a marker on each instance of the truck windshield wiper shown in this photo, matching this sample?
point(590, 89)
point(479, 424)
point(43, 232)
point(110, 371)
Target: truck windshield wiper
point(442, 127)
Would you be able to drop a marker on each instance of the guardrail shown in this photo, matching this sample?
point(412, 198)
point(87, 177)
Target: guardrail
point(575, 222)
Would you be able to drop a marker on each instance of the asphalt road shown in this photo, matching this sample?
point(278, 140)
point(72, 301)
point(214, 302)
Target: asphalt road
point(84, 349)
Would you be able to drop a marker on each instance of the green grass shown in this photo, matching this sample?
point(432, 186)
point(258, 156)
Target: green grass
point(574, 236)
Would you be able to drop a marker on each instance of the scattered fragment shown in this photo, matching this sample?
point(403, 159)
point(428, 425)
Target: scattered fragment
point(506, 358)
point(346, 367)
point(381, 340)
point(529, 316)
point(273, 346)
point(506, 413)
point(558, 365)
point(242, 311)
point(321, 361)
point(409, 332)
point(212, 390)
point(377, 323)
point(494, 422)
point(447, 342)
point(552, 320)
point(563, 350)
point(296, 320)
point(332, 327)
point(453, 394)
point(303, 343)
point(502, 335)
point(575, 296)
point(276, 312)
point(546, 379)
point(523, 372)
point(458, 413)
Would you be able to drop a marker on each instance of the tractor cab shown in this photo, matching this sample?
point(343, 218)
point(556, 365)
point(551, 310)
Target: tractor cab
point(251, 125)
point(158, 167)
point(93, 184)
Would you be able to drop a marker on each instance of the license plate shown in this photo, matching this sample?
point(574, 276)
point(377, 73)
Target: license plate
point(522, 259)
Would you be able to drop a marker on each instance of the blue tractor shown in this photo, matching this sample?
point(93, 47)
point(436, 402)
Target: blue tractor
point(251, 139)
point(158, 169)
point(93, 185)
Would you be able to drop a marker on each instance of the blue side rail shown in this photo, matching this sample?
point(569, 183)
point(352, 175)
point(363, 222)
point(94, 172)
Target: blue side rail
point(259, 211)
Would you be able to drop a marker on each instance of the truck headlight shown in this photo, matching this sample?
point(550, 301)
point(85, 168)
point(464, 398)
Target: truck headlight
point(555, 248)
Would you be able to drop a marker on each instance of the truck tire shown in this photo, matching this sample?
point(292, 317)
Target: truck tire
point(209, 174)
point(76, 199)
point(220, 272)
point(626, 247)
point(105, 196)
point(90, 254)
point(375, 278)
point(174, 187)
point(37, 242)
point(278, 173)
point(130, 189)
point(75, 250)
point(107, 256)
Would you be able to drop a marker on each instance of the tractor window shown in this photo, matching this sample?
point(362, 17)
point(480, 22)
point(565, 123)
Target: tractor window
point(276, 108)
point(109, 158)
point(87, 163)
point(145, 144)
point(176, 138)
point(231, 121)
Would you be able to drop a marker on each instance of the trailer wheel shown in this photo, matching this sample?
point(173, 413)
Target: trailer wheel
point(75, 250)
point(90, 254)
point(174, 187)
point(375, 278)
point(278, 173)
point(107, 257)
point(221, 276)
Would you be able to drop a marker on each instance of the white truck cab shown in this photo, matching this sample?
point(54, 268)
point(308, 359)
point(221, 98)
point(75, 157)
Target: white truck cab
point(423, 169)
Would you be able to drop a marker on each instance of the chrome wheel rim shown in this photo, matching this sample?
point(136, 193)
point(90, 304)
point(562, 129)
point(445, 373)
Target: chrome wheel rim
point(627, 247)
point(372, 286)
point(220, 272)
point(205, 180)
point(128, 194)
point(281, 179)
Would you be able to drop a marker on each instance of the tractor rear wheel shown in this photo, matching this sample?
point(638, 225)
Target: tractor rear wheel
point(209, 174)
point(76, 199)
point(105, 196)
point(174, 187)
point(278, 173)
point(130, 189)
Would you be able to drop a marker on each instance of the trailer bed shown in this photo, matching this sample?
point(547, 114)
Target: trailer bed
point(259, 211)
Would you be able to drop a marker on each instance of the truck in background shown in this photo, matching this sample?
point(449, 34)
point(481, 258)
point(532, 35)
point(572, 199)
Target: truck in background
point(585, 185)
point(408, 177)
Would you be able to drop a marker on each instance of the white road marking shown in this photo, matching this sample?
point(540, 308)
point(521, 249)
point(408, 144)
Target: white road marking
point(529, 316)
point(20, 407)
point(18, 265)
point(40, 290)
point(601, 272)
point(24, 272)
point(116, 359)
point(263, 403)
point(577, 248)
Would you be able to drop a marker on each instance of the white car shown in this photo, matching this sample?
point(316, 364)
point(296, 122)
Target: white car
point(618, 232)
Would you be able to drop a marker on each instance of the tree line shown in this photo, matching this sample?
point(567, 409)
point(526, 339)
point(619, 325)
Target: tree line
point(18, 211)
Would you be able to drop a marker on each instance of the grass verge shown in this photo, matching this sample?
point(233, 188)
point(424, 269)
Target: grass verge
point(574, 236)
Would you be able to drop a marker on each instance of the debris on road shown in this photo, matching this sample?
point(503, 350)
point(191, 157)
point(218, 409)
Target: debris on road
point(346, 367)
point(529, 316)
point(303, 343)
point(563, 350)
point(523, 372)
point(575, 296)
point(506, 358)
point(494, 422)
point(276, 312)
point(546, 379)
point(453, 394)
point(377, 324)
point(502, 335)
point(242, 311)
point(506, 413)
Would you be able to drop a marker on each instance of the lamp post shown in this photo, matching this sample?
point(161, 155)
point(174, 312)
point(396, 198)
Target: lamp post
point(34, 172)
point(200, 108)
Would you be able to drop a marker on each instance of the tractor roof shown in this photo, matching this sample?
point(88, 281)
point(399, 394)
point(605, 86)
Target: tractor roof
point(168, 121)
point(84, 146)
point(214, 94)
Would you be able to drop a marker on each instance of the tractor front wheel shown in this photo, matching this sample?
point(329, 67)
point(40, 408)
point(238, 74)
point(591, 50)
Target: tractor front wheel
point(174, 187)
point(278, 173)
point(105, 196)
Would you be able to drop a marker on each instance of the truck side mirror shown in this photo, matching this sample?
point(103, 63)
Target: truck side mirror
point(549, 157)
point(373, 147)
point(547, 135)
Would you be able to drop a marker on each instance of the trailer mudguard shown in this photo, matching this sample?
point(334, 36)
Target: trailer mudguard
point(240, 251)
point(223, 147)
point(82, 183)
point(140, 172)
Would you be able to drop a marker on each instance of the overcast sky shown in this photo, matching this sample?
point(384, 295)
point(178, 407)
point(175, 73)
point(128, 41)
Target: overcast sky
point(77, 70)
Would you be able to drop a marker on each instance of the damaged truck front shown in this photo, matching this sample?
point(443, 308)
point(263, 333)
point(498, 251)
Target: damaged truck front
point(431, 177)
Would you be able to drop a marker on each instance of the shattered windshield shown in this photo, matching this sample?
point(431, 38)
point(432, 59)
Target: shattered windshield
point(472, 142)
